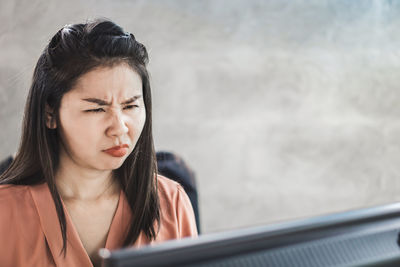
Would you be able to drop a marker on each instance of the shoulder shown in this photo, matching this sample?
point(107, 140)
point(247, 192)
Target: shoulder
point(176, 210)
point(13, 193)
point(168, 188)
point(20, 229)
point(172, 193)
point(15, 204)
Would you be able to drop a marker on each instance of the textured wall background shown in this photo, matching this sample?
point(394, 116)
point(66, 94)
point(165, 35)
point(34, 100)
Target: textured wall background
point(284, 109)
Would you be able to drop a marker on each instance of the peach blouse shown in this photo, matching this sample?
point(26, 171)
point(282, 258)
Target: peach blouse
point(30, 232)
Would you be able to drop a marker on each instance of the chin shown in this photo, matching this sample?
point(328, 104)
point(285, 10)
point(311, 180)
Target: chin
point(111, 163)
point(114, 166)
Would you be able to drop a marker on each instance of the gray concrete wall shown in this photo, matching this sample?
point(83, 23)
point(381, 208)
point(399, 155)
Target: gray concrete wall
point(284, 109)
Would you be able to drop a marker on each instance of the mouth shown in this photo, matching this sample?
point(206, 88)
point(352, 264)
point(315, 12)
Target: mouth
point(117, 151)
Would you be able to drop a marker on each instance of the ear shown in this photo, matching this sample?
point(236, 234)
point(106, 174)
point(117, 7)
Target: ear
point(50, 118)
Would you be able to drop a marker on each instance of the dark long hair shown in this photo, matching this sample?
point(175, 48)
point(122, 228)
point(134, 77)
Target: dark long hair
point(73, 51)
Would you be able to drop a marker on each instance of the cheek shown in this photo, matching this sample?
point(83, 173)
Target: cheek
point(78, 134)
point(136, 127)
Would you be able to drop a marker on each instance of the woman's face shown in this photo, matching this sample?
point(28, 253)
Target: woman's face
point(101, 118)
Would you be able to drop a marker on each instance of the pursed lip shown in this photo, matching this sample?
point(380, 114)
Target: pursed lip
point(117, 151)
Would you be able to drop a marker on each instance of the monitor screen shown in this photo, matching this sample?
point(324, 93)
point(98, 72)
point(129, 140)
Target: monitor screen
point(367, 237)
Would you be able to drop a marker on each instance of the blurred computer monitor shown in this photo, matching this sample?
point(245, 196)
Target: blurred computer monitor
point(367, 237)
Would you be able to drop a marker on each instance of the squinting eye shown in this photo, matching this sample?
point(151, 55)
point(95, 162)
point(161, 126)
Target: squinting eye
point(131, 106)
point(95, 110)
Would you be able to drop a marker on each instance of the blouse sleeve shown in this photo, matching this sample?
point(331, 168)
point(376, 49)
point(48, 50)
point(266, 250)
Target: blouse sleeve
point(185, 215)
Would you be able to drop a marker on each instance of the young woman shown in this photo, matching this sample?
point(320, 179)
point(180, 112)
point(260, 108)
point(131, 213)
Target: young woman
point(84, 176)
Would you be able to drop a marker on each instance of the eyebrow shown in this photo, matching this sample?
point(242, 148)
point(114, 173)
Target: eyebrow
point(105, 103)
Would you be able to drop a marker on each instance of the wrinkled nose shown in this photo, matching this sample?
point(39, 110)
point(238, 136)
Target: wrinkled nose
point(118, 125)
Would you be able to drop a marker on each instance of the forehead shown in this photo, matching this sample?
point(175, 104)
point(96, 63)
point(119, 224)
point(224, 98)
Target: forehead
point(119, 81)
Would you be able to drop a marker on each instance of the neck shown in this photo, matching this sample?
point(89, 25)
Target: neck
point(79, 184)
